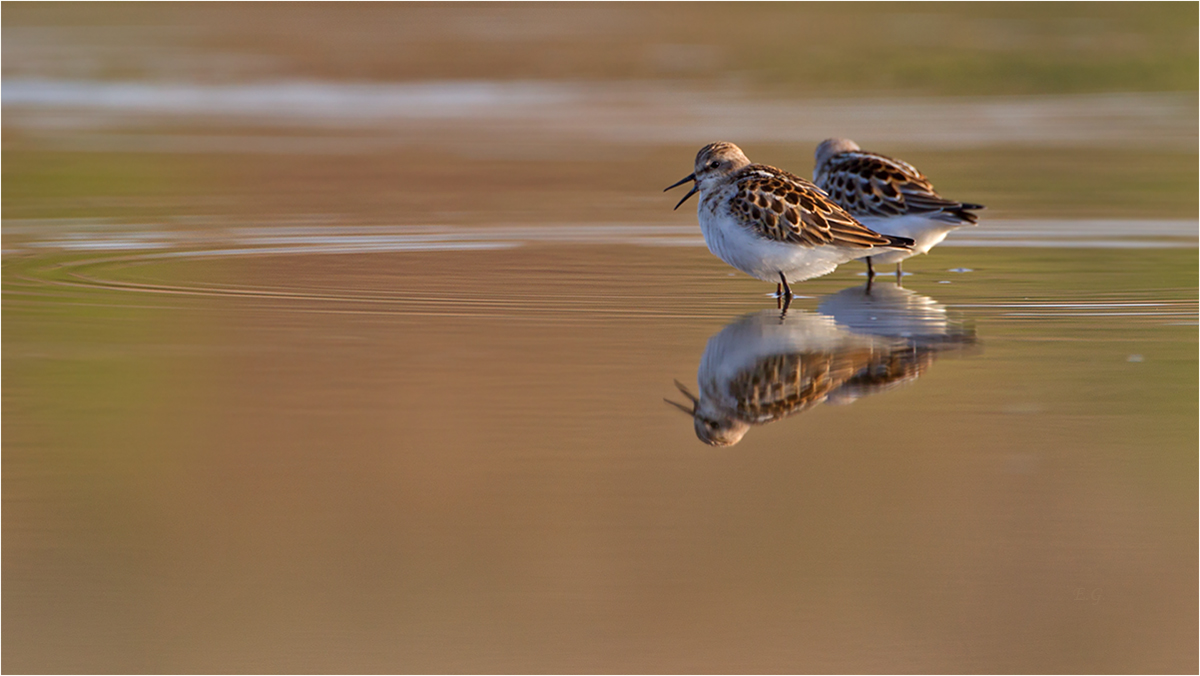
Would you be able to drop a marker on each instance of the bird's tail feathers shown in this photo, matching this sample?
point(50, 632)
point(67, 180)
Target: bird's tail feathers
point(966, 214)
point(962, 214)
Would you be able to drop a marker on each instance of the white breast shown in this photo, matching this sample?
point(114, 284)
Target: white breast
point(759, 257)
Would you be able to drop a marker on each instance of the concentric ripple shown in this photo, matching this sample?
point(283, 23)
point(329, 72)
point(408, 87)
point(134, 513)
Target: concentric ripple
point(565, 270)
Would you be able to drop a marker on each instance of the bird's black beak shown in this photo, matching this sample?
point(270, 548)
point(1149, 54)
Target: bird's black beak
point(695, 402)
point(685, 179)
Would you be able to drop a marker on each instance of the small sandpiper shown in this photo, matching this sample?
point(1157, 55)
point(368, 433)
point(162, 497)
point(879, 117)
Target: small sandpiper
point(889, 196)
point(772, 225)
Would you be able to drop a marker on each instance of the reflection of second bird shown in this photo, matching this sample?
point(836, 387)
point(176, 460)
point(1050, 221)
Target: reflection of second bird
point(892, 311)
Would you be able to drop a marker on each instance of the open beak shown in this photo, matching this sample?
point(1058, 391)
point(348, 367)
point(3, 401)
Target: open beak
point(685, 179)
point(681, 407)
point(695, 402)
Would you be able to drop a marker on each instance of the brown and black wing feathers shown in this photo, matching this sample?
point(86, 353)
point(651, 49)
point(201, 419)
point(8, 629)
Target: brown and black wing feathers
point(785, 384)
point(868, 184)
point(786, 208)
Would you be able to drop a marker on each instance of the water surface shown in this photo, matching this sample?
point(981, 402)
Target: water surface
point(461, 460)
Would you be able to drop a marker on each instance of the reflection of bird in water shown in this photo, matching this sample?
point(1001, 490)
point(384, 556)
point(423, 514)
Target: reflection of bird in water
point(889, 196)
point(762, 368)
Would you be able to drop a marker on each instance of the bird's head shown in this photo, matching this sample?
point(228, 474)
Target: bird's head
point(714, 163)
point(712, 428)
point(832, 146)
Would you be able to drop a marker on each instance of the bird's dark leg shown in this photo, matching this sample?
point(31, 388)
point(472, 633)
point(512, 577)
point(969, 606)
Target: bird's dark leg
point(870, 269)
point(787, 294)
point(899, 275)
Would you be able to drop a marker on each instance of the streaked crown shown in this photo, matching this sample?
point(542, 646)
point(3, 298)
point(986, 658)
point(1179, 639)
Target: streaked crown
point(718, 160)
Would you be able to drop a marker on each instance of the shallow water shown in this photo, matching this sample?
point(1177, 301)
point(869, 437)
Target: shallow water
point(361, 364)
point(462, 460)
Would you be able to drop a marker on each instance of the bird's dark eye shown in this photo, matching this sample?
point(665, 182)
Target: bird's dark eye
point(714, 164)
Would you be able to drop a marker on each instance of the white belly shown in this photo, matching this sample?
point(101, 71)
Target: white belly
point(764, 259)
point(925, 233)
